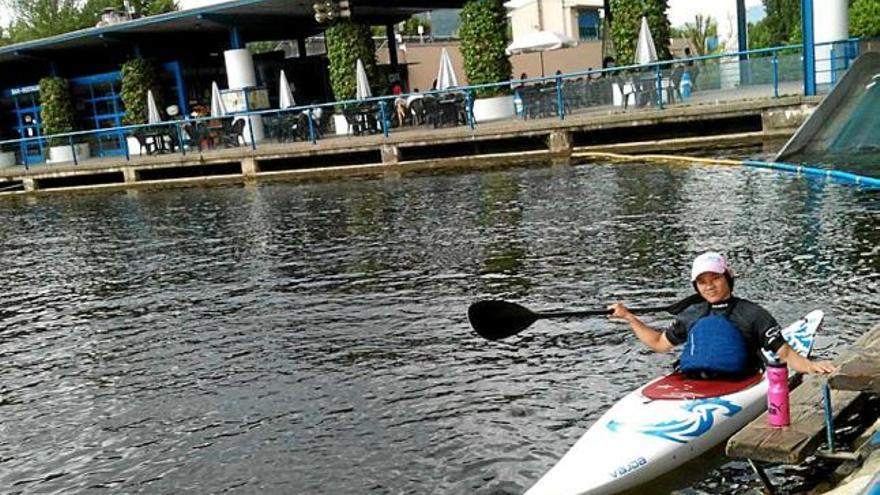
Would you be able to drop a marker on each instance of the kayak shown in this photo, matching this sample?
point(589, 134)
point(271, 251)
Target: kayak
point(663, 424)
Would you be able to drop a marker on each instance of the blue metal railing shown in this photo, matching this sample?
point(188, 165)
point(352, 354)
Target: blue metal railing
point(762, 72)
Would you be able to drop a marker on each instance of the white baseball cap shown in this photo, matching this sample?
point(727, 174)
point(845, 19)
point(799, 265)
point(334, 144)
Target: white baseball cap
point(709, 262)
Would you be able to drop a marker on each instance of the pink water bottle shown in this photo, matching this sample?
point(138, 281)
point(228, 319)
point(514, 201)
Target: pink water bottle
point(777, 395)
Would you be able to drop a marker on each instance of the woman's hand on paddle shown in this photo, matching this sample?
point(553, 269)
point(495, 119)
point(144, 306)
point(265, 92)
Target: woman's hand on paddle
point(619, 312)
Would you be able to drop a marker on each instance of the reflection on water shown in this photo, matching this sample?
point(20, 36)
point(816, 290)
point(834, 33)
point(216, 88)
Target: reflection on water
point(311, 338)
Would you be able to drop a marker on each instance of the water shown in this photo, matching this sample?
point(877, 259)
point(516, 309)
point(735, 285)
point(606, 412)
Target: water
point(312, 338)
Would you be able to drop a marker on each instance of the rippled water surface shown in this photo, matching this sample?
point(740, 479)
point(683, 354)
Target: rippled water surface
point(312, 338)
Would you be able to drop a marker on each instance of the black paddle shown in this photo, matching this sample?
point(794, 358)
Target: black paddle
point(495, 320)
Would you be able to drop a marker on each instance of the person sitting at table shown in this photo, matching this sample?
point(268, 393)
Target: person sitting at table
point(404, 105)
point(199, 111)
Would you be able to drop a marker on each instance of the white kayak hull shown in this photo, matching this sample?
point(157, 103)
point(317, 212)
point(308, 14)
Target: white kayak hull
point(640, 439)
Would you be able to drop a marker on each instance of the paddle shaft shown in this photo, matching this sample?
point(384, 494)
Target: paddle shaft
point(596, 312)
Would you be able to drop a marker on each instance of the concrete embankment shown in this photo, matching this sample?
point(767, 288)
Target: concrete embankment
point(697, 129)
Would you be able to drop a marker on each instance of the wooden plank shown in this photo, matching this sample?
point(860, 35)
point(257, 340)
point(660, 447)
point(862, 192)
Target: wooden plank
point(791, 445)
point(860, 372)
point(860, 369)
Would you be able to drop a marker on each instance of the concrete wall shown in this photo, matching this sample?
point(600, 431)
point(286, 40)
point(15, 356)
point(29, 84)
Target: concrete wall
point(555, 15)
point(423, 61)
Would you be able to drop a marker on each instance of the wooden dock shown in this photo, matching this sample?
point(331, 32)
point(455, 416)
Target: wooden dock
point(858, 373)
point(417, 149)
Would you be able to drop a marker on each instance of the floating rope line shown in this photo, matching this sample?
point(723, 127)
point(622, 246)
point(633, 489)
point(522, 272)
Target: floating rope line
point(840, 176)
point(836, 175)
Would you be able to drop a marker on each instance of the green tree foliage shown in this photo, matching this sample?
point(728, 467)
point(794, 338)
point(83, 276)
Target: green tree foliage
point(35, 19)
point(627, 21)
point(411, 26)
point(347, 42)
point(781, 26)
point(864, 18)
point(57, 107)
point(138, 77)
point(484, 37)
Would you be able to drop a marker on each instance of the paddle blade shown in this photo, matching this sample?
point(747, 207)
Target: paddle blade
point(495, 320)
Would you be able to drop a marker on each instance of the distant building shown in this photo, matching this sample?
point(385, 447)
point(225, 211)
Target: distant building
point(579, 19)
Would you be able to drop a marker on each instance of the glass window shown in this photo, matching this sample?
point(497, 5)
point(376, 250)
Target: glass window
point(588, 25)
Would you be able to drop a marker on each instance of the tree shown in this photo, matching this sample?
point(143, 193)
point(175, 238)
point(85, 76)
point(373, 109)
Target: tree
point(698, 32)
point(35, 19)
point(411, 26)
point(864, 18)
point(781, 26)
point(139, 76)
point(347, 42)
point(627, 21)
point(57, 113)
point(484, 37)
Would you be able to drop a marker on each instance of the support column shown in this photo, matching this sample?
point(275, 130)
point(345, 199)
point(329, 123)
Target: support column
point(559, 142)
point(249, 167)
point(831, 25)
point(130, 175)
point(392, 47)
point(743, 42)
point(240, 74)
point(30, 185)
point(390, 154)
point(809, 48)
point(301, 47)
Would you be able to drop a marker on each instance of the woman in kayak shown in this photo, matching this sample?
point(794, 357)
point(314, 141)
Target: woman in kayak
point(723, 334)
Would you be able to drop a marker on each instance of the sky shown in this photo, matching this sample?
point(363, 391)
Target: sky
point(680, 11)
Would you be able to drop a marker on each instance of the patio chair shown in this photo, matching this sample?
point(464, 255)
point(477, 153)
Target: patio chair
point(192, 137)
point(417, 110)
point(235, 135)
point(301, 127)
point(143, 143)
point(354, 123)
point(173, 139)
point(432, 110)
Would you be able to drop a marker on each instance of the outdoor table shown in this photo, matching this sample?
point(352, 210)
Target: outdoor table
point(160, 139)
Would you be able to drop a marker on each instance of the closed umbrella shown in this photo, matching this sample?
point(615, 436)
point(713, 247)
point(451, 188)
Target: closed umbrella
point(646, 53)
point(217, 108)
point(540, 41)
point(446, 76)
point(363, 84)
point(153, 116)
point(285, 95)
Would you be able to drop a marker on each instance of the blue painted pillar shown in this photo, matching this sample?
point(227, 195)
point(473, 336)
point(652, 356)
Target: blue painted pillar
point(809, 48)
point(234, 38)
point(742, 31)
point(742, 26)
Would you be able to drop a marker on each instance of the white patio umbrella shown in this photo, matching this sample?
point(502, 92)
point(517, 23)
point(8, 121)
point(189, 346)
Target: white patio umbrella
point(646, 53)
point(446, 76)
point(363, 84)
point(153, 116)
point(540, 41)
point(217, 108)
point(285, 95)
